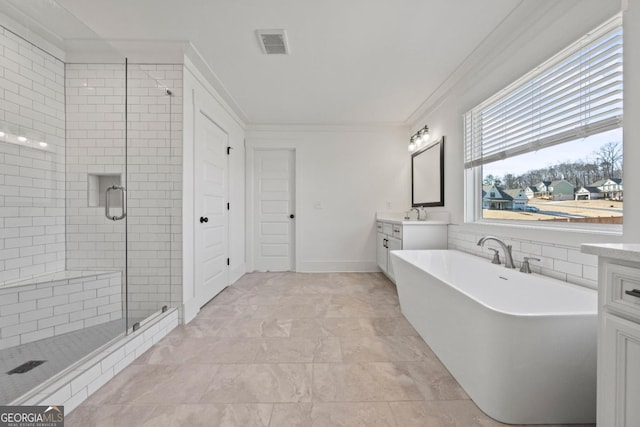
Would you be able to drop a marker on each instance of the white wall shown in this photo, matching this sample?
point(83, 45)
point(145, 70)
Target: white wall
point(198, 91)
point(343, 176)
point(559, 250)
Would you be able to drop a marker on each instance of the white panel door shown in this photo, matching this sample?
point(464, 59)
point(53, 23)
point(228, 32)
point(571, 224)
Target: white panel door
point(211, 247)
point(274, 172)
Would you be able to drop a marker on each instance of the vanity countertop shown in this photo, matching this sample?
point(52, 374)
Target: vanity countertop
point(433, 218)
point(623, 251)
point(411, 222)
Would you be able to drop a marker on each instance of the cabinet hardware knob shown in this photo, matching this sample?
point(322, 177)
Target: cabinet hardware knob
point(203, 219)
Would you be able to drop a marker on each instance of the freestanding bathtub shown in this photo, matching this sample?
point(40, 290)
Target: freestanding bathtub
point(522, 346)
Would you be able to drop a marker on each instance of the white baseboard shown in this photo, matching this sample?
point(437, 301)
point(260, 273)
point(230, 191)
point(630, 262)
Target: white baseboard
point(189, 310)
point(336, 266)
point(237, 273)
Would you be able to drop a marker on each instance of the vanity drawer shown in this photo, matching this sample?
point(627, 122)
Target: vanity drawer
point(397, 231)
point(387, 228)
point(379, 227)
point(622, 290)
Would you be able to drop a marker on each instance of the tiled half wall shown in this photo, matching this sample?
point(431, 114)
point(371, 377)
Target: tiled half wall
point(561, 262)
point(43, 309)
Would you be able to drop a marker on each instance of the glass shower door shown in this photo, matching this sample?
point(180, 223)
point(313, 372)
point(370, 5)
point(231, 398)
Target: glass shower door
point(96, 182)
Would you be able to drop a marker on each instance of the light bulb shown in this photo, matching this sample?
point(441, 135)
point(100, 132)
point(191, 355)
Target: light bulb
point(2, 134)
point(43, 144)
point(424, 133)
point(22, 139)
point(412, 143)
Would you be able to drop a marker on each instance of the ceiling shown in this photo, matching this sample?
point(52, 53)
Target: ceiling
point(351, 61)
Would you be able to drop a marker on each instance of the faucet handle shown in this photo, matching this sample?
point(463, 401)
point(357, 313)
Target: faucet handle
point(525, 268)
point(496, 256)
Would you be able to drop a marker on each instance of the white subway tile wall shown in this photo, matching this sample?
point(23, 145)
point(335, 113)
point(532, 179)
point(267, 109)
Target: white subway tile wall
point(41, 310)
point(95, 96)
point(561, 262)
point(31, 181)
point(96, 146)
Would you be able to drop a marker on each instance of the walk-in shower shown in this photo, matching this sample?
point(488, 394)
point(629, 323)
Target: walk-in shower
point(90, 193)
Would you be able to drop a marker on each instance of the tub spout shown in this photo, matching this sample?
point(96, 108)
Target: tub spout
point(508, 258)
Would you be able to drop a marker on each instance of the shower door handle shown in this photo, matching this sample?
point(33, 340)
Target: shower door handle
point(107, 204)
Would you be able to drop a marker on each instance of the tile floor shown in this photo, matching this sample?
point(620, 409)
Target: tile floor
point(288, 349)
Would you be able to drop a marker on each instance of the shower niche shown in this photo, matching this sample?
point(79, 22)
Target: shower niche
point(97, 186)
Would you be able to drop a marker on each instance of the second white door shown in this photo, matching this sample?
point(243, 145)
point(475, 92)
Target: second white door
point(274, 224)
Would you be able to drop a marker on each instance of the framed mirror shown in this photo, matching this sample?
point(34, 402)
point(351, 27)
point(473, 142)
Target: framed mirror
point(427, 175)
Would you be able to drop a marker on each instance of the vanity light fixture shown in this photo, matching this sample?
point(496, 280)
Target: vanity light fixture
point(419, 138)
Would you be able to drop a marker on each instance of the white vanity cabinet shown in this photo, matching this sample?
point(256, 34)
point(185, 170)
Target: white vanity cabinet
point(395, 235)
point(618, 334)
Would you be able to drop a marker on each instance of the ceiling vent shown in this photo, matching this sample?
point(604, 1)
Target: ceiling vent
point(273, 42)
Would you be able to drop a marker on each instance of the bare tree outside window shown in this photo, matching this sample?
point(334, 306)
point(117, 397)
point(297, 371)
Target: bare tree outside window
point(610, 159)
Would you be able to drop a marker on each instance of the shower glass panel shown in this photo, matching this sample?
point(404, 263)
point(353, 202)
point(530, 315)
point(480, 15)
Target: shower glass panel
point(87, 197)
point(152, 183)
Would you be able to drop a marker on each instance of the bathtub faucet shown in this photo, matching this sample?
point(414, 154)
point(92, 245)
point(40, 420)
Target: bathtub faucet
point(508, 258)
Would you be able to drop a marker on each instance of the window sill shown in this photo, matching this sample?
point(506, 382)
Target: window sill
point(600, 233)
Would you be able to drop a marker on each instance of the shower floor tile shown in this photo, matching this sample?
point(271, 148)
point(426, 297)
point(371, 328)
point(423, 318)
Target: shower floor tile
point(289, 349)
point(59, 352)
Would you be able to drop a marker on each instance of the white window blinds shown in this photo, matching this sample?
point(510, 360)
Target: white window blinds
point(575, 94)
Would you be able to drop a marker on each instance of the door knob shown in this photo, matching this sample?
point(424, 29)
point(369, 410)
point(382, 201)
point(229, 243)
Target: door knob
point(203, 219)
point(292, 216)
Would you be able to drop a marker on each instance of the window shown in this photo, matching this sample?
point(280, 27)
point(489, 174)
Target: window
point(549, 146)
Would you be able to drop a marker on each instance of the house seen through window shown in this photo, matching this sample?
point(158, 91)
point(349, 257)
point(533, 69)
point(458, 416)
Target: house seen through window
point(578, 181)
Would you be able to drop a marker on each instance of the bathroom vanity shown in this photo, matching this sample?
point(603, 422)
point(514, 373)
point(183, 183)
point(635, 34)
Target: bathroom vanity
point(618, 333)
point(395, 233)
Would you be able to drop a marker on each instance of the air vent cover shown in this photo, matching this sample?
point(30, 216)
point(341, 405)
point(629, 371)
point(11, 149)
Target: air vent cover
point(273, 42)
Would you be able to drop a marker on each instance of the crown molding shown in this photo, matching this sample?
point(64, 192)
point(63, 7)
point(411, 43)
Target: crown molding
point(327, 127)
